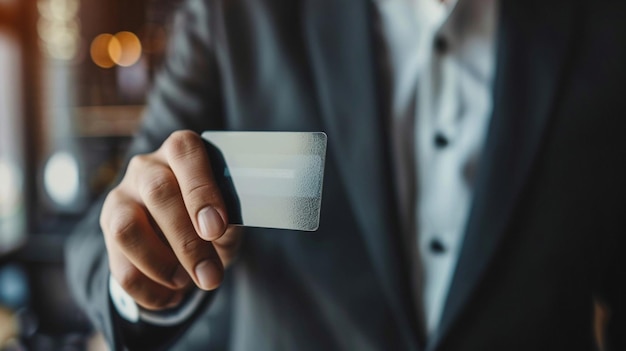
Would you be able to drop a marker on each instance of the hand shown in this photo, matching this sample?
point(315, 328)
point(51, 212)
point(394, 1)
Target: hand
point(165, 225)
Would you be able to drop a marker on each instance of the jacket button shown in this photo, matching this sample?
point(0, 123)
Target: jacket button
point(440, 140)
point(436, 246)
point(441, 45)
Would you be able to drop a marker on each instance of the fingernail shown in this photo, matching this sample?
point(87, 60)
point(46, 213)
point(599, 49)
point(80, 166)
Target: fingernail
point(209, 274)
point(211, 223)
point(181, 278)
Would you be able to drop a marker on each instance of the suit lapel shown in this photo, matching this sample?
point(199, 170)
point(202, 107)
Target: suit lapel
point(533, 43)
point(342, 56)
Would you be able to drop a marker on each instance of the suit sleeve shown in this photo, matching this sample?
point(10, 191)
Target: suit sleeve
point(186, 95)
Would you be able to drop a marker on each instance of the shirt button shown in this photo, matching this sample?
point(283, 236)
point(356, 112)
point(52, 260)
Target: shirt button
point(440, 140)
point(437, 247)
point(440, 44)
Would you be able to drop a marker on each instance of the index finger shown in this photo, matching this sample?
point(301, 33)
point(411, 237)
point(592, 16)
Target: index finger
point(186, 155)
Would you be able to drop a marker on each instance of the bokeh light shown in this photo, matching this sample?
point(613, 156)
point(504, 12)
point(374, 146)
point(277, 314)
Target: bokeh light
point(58, 28)
point(64, 9)
point(60, 10)
point(123, 49)
point(130, 49)
point(114, 49)
point(62, 178)
point(99, 50)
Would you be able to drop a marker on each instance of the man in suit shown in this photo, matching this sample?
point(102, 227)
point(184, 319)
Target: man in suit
point(537, 225)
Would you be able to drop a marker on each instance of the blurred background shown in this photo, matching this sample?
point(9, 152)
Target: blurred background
point(73, 80)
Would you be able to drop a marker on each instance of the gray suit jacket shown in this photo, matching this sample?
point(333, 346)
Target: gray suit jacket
point(546, 233)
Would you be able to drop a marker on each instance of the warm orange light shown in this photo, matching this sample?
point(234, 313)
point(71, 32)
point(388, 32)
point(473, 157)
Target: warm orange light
point(114, 49)
point(123, 48)
point(101, 48)
point(129, 49)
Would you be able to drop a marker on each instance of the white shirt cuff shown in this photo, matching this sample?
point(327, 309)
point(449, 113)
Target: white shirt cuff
point(128, 309)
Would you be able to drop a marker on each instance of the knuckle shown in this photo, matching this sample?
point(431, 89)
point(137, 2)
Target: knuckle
point(106, 208)
point(191, 246)
point(182, 143)
point(159, 186)
point(110, 203)
point(124, 229)
point(138, 162)
point(114, 195)
point(203, 190)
